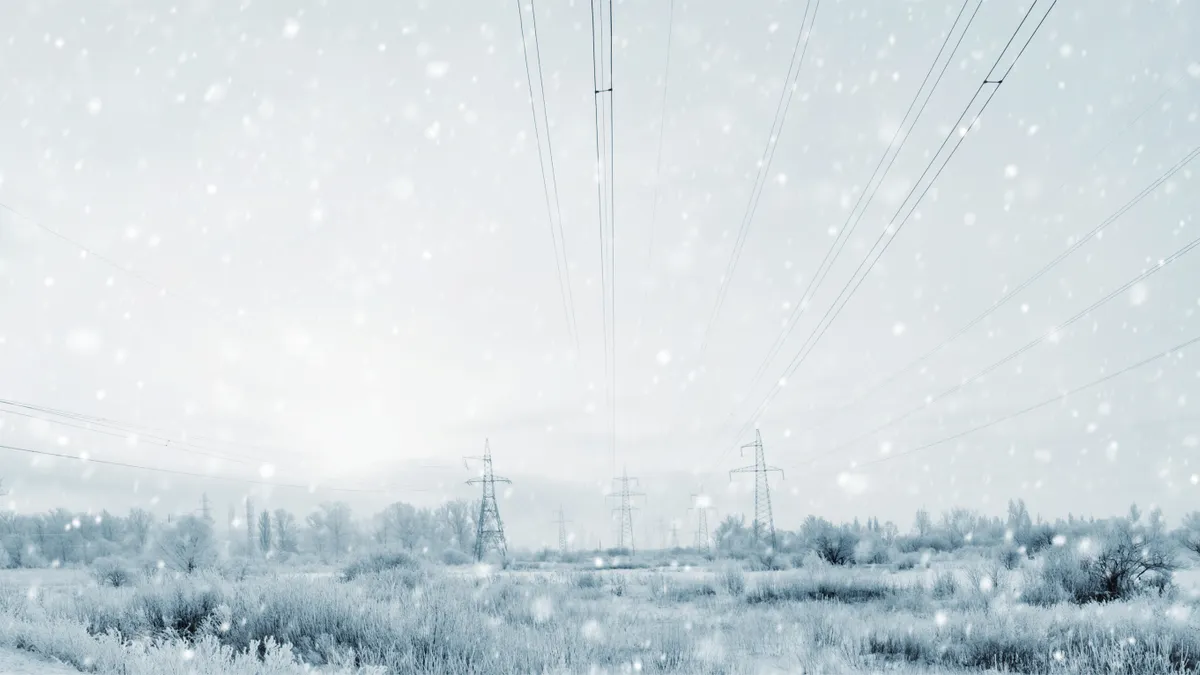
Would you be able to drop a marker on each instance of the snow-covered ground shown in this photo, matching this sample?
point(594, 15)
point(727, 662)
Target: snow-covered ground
point(17, 663)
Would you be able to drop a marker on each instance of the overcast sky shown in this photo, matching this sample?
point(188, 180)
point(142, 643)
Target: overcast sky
point(344, 205)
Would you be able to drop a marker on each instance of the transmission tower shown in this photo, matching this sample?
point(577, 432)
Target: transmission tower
point(205, 508)
point(764, 522)
point(702, 509)
point(489, 533)
point(249, 527)
point(562, 532)
point(625, 511)
point(674, 543)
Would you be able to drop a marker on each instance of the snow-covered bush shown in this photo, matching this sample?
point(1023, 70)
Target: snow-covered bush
point(113, 571)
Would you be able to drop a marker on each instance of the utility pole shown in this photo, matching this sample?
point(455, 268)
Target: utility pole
point(702, 509)
point(625, 511)
point(205, 508)
point(764, 521)
point(249, 527)
point(562, 532)
point(489, 533)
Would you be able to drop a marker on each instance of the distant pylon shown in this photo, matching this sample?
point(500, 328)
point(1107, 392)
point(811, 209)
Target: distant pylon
point(674, 544)
point(489, 532)
point(764, 522)
point(701, 508)
point(205, 508)
point(625, 511)
point(562, 532)
point(249, 527)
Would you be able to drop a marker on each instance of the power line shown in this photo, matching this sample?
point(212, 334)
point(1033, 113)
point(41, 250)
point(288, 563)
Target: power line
point(166, 443)
point(662, 128)
point(895, 224)
point(612, 234)
point(868, 194)
point(87, 252)
point(209, 476)
point(928, 401)
point(568, 297)
point(604, 207)
point(1040, 404)
point(764, 163)
point(1075, 245)
point(142, 429)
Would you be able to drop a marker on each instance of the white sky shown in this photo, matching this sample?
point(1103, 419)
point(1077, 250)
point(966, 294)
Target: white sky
point(360, 180)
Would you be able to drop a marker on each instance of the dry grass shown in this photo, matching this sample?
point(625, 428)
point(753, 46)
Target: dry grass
point(671, 620)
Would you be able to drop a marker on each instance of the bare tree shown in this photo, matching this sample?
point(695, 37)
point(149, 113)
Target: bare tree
point(285, 531)
point(1131, 558)
point(264, 531)
point(458, 518)
point(189, 544)
point(832, 543)
point(922, 523)
point(338, 527)
point(140, 522)
point(1189, 534)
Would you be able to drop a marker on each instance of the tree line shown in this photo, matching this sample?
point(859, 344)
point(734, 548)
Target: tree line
point(330, 532)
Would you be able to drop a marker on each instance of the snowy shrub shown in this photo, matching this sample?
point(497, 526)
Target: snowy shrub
point(1129, 560)
point(453, 556)
point(944, 585)
point(844, 589)
point(1010, 558)
point(587, 580)
point(113, 571)
point(733, 579)
point(379, 562)
point(189, 545)
point(872, 551)
point(834, 544)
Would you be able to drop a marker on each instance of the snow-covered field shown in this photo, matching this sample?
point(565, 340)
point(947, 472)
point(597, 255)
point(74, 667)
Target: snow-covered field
point(19, 663)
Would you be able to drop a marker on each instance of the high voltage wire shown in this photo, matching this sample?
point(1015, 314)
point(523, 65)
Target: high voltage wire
point(89, 252)
point(894, 226)
point(1187, 248)
point(142, 429)
point(1076, 245)
point(557, 239)
point(605, 189)
point(601, 190)
point(193, 474)
point(612, 233)
point(764, 164)
point(166, 443)
point(662, 128)
point(1038, 405)
point(868, 194)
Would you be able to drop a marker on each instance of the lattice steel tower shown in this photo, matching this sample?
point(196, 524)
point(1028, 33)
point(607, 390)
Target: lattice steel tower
point(489, 532)
point(764, 522)
point(562, 532)
point(701, 508)
point(625, 511)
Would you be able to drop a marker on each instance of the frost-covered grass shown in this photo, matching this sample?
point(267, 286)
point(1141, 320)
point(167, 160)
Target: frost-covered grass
point(715, 619)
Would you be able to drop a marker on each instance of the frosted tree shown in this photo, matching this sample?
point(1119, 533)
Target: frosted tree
point(189, 544)
point(286, 534)
point(264, 531)
point(140, 522)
